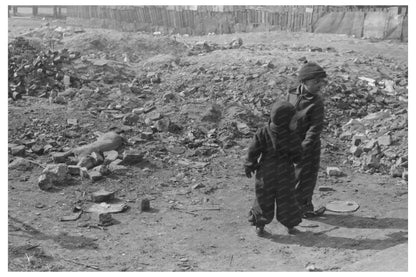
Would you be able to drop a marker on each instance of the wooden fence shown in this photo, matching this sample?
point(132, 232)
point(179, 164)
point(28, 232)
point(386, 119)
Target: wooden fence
point(202, 20)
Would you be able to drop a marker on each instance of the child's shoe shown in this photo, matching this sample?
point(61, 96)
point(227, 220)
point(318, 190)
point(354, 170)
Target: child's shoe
point(292, 231)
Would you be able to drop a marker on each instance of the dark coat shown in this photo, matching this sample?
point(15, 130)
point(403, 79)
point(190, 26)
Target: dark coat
point(309, 131)
point(272, 152)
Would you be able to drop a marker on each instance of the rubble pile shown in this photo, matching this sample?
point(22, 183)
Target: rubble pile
point(34, 72)
point(185, 110)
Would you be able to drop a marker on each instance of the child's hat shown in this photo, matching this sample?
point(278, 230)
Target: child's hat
point(310, 71)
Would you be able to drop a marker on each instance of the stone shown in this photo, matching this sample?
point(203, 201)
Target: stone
point(44, 183)
point(110, 155)
point(18, 150)
point(72, 121)
point(88, 162)
point(384, 140)
point(147, 135)
point(21, 164)
point(74, 170)
point(138, 111)
point(59, 157)
point(345, 135)
point(370, 145)
point(325, 188)
point(116, 167)
point(372, 161)
point(402, 161)
point(356, 151)
point(155, 116)
point(132, 157)
point(405, 175)
point(47, 148)
point(396, 171)
point(37, 149)
point(53, 174)
point(145, 205)
point(95, 175)
point(131, 119)
point(83, 173)
point(105, 219)
point(333, 171)
point(103, 169)
point(102, 196)
point(162, 125)
point(97, 157)
point(212, 114)
point(168, 96)
point(358, 139)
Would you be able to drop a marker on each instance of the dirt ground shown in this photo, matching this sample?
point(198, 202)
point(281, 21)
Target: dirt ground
point(198, 217)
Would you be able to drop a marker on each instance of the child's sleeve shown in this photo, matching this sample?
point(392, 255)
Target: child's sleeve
point(254, 151)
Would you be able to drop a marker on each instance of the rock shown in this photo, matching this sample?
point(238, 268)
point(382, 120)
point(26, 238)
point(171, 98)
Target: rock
point(356, 151)
point(155, 116)
point(162, 125)
point(325, 188)
point(97, 158)
point(145, 205)
point(21, 164)
point(333, 171)
point(390, 154)
point(138, 111)
point(358, 139)
point(377, 116)
point(88, 162)
point(105, 219)
point(59, 100)
point(116, 167)
point(95, 175)
point(84, 173)
point(53, 174)
point(37, 149)
point(372, 161)
point(17, 150)
point(402, 161)
point(110, 155)
point(243, 128)
point(131, 119)
point(384, 140)
point(47, 148)
point(72, 121)
point(370, 145)
point(74, 170)
point(59, 157)
point(345, 135)
point(132, 157)
point(103, 169)
point(147, 135)
point(212, 114)
point(102, 196)
point(396, 171)
point(405, 175)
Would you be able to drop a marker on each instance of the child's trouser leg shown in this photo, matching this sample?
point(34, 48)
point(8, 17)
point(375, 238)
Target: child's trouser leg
point(262, 211)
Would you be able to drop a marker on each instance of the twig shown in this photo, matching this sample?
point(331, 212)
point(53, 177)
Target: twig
point(86, 265)
point(231, 259)
point(206, 209)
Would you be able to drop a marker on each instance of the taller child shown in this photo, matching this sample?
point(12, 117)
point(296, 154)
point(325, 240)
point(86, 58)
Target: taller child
point(307, 97)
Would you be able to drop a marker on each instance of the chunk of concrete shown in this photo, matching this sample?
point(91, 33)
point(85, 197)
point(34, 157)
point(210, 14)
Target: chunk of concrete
point(132, 157)
point(334, 171)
